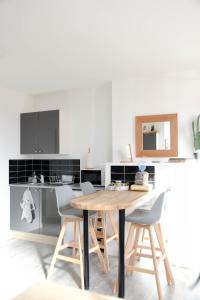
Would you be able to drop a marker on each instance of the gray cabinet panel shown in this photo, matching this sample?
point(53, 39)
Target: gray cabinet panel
point(16, 223)
point(47, 220)
point(48, 134)
point(50, 219)
point(29, 130)
point(40, 132)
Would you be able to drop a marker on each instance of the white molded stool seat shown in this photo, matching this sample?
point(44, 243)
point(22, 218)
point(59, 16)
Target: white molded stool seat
point(152, 216)
point(142, 222)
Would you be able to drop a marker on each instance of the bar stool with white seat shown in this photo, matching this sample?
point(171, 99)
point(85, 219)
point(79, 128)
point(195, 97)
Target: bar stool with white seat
point(88, 188)
point(71, 215)
point(148, 221)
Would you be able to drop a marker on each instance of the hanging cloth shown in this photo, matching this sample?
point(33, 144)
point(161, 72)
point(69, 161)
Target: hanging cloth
point(28, 207)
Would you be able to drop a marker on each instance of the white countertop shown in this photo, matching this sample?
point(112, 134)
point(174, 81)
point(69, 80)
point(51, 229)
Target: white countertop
point(39, 185)
point(75, 186)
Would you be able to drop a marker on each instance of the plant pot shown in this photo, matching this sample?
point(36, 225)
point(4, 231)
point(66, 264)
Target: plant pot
point(196, 155)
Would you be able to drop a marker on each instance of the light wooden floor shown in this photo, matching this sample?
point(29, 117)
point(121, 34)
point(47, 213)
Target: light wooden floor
point(23, 264)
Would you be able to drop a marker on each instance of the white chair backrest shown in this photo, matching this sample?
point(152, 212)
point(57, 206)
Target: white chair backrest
point(64, 194)
point(87, 188)
point(159, 207)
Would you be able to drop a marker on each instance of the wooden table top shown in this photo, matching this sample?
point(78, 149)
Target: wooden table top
point(109, 200)
point(52, 291)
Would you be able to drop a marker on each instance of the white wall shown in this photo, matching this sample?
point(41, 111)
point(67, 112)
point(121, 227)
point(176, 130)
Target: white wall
point(12, 103)
point(145, 96)
point(89, 117)
point(151, 95)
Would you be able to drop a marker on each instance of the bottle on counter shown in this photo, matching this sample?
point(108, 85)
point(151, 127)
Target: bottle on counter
point(34, 178)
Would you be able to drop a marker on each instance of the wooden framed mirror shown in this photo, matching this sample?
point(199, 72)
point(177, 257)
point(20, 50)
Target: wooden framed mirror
point(156, 135)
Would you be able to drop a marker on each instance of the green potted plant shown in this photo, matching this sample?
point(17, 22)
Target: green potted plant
point(196, 136)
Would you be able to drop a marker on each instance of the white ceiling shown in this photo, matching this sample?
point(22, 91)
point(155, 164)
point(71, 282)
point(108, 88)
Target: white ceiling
point(48, 45)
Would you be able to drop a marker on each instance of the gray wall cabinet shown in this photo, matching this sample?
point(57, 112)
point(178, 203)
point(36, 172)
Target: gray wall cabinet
point(47, 220)
point(29, 133)
point(40, 132)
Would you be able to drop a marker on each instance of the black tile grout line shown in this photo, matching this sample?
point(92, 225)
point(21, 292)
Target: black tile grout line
point(115, 173)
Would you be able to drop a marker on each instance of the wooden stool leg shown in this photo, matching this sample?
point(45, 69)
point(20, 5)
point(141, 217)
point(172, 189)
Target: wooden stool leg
point(113, 224)
point(57, 249)
point(155, 263)
point(95, 221)
point(130, 239)
point(105, 240)
point(169, 275)
point(74, 248)
point(80, 254)
point(129, 244)
point(96, 244)
point(142, 242)
point(133, 257)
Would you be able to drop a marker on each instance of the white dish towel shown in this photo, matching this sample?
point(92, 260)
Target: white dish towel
point(28, 207)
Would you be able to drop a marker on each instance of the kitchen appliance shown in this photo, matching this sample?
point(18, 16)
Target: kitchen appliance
point(95, 176)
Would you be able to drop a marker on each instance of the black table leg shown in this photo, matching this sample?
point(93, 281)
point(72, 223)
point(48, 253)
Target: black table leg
point(121, 253)
point(86, 250)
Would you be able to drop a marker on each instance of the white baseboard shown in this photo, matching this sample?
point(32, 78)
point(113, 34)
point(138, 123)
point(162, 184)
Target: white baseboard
point(34, 237)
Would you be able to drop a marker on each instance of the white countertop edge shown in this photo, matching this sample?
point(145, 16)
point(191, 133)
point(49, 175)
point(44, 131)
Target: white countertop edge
point(40, 186)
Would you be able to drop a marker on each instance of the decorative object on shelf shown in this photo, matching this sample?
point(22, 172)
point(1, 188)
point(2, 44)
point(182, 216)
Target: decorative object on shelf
point(128, 154)
point(118, 186)
point(196, 136)
point(89, 163)
point(177, 159)
point(152, 128)
point(145, 129)
point(142, 188)
point(142, 177)
point(197, 155)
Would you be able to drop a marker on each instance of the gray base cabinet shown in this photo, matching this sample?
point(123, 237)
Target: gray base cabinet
point(50, 219)
point(16, 195)
point(46, 220)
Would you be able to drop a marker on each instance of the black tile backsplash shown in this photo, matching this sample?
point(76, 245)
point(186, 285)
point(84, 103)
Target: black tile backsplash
point(150, 169)
point(130, 177)
point(13, 174)
point(127, 173)
point(21, 162)
point(131, 169)
point(13, 162)
point(13, 168)
point(115, 177)
point(20, 170)
point(12, 180)
point(117, 169)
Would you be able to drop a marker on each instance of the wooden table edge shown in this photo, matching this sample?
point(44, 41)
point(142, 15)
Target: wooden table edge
point(76, 203)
